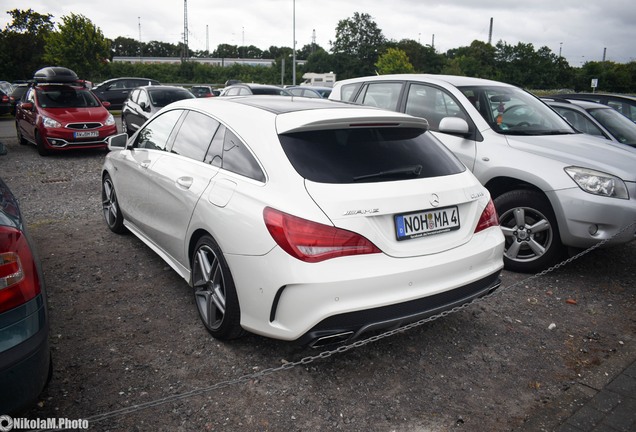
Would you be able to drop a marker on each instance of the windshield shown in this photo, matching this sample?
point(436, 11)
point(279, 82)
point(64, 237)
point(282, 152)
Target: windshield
point(622, 128)
point(512, 111)
point(66, 97)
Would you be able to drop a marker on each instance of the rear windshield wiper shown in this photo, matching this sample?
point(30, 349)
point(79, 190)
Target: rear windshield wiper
point(412, 171)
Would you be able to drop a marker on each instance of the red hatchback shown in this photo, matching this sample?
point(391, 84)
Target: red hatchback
point(58, 112)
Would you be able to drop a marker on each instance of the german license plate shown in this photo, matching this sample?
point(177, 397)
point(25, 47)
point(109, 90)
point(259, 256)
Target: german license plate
point(86, 134)
point(424, 223)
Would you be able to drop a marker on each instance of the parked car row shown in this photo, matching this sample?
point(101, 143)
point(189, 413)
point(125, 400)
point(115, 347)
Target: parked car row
point(318, 221)
point(595, 119)
point(624, 104)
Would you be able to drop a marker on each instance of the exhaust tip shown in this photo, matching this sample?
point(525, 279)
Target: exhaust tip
point(333, 339)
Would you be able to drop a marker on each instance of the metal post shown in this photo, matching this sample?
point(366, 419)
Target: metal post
point(294, 46)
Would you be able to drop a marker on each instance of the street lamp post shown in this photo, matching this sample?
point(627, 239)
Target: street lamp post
point(294, 45)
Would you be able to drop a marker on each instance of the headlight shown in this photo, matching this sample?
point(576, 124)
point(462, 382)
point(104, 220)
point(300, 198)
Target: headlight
point(110, 120)
point(598, 183)
point(50, 123)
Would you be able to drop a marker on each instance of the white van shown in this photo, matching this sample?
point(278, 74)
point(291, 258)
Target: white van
point(554, 188)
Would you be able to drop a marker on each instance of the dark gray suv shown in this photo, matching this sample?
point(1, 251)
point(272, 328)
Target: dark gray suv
point(116, 90)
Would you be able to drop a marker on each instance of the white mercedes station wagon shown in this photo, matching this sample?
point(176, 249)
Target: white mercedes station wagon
point(302, 219)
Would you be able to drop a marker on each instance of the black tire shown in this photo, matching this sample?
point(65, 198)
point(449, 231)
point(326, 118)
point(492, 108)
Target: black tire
point(530, 229)
point(110, 207)
point(124, 126)
point(21, 139)
point(39, 142)
point(214, 291)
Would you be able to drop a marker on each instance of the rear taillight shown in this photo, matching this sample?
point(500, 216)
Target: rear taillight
point(488, 218)
point(311, 241)
point(5, 99)
point(19, 281)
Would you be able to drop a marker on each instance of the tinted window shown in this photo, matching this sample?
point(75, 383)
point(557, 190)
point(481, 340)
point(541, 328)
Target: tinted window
point(368, 155)
point(156, 133)
point(143, 97)
point(134, 95)
point(579, 121)
point(381, 94)
point(235, 157)
point(348, 92)
point(195, 135)
point(432, 103)
point(214, 155)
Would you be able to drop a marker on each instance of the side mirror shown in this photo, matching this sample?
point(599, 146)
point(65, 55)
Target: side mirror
point(27, 106)
point(117, 142)
point(454, 126)
point(106, 104)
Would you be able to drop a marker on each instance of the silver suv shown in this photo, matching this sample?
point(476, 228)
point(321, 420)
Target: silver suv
point(554, 188)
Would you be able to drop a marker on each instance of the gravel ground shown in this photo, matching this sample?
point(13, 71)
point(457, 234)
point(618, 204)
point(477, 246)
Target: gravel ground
point(130, 353)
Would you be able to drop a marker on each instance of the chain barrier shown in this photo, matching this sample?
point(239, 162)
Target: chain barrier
point(343, 348)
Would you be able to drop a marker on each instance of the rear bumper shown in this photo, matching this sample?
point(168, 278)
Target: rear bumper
point(349, 326)
point(284, 298)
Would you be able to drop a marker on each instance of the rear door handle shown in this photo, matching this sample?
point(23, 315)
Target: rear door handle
point(185, 182)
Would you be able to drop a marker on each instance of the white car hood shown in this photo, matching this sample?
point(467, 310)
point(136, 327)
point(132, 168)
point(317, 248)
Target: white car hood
point(581, 150)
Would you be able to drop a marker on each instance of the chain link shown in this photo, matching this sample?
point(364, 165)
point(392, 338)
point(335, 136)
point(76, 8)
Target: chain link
point(344, 348)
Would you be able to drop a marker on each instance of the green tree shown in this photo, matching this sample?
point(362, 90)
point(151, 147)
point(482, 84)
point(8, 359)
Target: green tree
point(393, 61)
point(476, 60)
point(320, 62)
point(423, 58)
point(22, 44)
point(126, 47)
point(162, 49)
point(226, 51)
point(79, 45)
point(361, 39)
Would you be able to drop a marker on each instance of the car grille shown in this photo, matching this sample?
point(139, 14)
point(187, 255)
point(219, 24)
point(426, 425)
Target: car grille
point(84, 126)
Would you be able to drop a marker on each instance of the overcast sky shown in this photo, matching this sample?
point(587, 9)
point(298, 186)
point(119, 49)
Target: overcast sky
point(580, 29)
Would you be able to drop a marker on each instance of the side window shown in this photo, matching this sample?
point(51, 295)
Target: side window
point(156, 134)
point(238, 158)
point(143, 97)
point(134, 95)
point(30, 96)
point(232, 92)
point(381, 95)
point(195, 135)
point(579, 121)
point(348, 92)
point(214, 156)
point(432, 104)
point(229, 153)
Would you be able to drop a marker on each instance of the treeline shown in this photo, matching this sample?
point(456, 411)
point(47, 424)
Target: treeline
point(31, 41)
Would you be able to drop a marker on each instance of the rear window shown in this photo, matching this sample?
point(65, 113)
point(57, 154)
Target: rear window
point(373, 154)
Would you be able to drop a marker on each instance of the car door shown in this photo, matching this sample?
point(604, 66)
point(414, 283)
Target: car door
point(176, 181)
point(27, 118)
point(134, 169)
